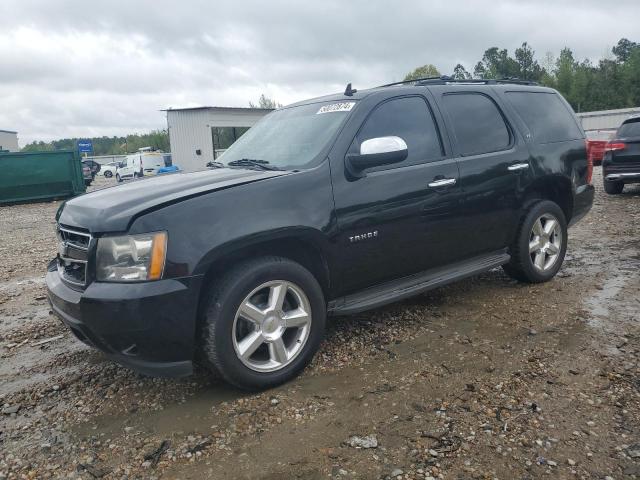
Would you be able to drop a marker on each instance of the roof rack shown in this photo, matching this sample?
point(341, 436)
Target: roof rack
point(446, 80)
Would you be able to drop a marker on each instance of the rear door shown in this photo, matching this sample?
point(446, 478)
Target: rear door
point(397, 219)
point(494, 168)
point(152, 162)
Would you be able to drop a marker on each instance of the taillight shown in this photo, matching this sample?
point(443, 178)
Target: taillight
point(589, 160)
point(614, 146)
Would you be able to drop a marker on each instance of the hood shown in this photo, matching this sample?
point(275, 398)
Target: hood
point(113, 209)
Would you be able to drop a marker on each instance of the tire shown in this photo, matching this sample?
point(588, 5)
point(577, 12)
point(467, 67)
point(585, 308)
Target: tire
point(87, 182)
point(613, 188)
point(108, 174)
point(118, 178)
point(538, 262)
point(224, 327)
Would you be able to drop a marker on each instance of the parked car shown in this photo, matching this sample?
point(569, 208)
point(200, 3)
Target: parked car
point(87, 175)
point(109, 169)
point(93, 165)
point(621, 163)
point(334, 205)
point(140, 164)
point(596, 142)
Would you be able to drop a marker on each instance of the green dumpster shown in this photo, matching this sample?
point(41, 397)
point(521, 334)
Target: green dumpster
point(34, 176)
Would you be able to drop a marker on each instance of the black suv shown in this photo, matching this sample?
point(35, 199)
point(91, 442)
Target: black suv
point(621, 162)
point(334, 205)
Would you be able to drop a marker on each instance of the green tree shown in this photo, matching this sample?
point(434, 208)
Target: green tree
point(528, 66)
point(265, 102)
point(425, 71)
point(624, 49)
point(497, 63)
point(460, 73)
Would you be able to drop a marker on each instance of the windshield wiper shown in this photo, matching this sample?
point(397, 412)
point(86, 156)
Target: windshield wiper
point(250, 162)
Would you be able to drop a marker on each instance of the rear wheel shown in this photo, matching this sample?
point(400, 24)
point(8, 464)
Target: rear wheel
point(540, 245)
point(263, 322)
point(613, 188)
point(108, 174)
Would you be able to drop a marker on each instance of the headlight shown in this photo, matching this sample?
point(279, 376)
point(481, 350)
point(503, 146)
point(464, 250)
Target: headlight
point(131, 258)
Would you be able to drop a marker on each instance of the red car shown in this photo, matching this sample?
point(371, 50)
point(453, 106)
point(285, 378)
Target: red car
point(596, 142)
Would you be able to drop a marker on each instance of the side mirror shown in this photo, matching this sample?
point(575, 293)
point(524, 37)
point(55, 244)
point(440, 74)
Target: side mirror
point(376, 152)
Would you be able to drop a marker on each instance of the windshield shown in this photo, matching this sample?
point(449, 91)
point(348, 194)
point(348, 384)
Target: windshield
point(290, 138)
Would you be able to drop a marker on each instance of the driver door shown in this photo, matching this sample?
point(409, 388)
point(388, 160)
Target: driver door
point(397, 219)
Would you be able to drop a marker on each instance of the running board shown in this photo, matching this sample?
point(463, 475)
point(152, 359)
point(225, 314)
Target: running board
point(406, 287)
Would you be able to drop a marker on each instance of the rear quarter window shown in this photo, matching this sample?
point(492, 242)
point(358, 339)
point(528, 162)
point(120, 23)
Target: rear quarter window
point(546, 115)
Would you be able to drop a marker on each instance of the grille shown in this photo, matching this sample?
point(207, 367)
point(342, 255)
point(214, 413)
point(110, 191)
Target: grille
point(73, 255)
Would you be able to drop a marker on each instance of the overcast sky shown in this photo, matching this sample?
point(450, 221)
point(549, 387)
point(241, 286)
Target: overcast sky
point(88, 68)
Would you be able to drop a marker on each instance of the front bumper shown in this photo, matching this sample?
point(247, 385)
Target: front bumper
point(148, 327)
point(582, 202)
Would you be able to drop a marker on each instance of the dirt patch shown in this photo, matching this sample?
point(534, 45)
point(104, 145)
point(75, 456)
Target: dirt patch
point(486, 378)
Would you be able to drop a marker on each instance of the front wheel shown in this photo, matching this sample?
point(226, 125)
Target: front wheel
point(613, 188)
point(118, 178)
point(263, 322)
point(540, 244)
point(108, 174)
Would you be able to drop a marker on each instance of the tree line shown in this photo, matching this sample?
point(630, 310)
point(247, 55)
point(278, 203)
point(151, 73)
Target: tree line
point(157, 139)
point(612, 82)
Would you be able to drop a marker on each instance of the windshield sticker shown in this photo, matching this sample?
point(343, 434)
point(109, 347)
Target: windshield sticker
point(336, 107)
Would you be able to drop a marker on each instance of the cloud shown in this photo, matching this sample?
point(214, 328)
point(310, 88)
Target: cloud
point(77, 68)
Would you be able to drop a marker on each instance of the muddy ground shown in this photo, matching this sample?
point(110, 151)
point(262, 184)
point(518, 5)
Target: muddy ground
point(486, 378)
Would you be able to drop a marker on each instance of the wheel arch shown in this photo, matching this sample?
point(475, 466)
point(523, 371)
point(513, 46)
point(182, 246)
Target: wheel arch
point(556, 188)
point(299, 245)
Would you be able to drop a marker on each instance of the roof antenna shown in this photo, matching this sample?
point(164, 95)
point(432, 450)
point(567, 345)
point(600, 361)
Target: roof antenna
point(349, 91)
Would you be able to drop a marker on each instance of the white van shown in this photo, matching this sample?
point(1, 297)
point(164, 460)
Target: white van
point(140, 164)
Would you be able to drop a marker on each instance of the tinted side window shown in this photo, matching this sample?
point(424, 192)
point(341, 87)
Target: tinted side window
point(410, 119)
point(546, 115)
point(477, 123)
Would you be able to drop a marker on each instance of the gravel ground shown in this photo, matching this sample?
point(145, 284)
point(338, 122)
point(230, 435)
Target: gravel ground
point(486, 378)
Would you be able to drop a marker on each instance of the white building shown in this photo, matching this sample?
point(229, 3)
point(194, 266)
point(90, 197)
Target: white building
point(9, 140)
point(199, 135)
point(605, 122)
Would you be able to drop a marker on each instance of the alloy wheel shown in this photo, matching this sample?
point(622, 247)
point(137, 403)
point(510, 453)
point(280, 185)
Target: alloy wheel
point(271, 326)
point(545, 242)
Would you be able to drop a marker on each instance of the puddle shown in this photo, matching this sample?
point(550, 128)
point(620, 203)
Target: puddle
point(12, 287)
point(599, 303)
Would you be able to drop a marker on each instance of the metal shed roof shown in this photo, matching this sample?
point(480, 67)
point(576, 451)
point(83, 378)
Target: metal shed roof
point(246, 109)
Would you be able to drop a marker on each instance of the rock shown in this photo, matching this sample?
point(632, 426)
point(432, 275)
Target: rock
point(433, 453)
point(551, 463)
point(11, 409)
point(634, 451)
point(396, 472)
point(275, 401)
point(370, 441)
point(632, 470)
point(571, 462)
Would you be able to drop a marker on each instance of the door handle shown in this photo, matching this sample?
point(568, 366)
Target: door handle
point(517, 166)
point(445, 182)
